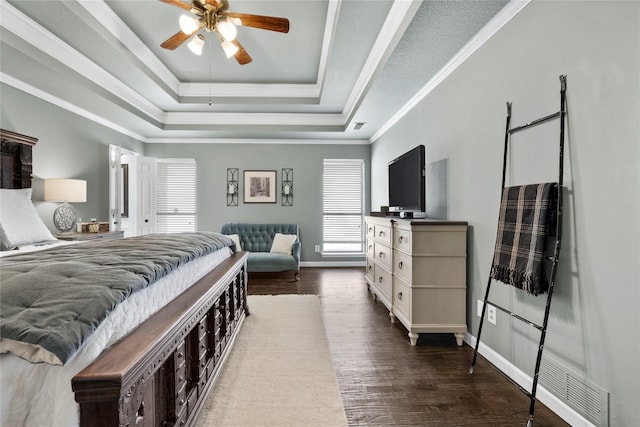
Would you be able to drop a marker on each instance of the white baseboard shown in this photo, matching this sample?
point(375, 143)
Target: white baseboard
point(333, 264)
point(525, 381)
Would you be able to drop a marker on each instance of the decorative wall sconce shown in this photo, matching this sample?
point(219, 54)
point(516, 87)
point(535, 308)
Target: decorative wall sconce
point(232, 186)
point(287, 187)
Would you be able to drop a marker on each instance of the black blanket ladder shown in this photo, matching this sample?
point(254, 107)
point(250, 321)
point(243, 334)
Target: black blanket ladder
point(553, 259)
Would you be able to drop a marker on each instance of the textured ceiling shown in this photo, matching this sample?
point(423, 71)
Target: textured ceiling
point(342, 61)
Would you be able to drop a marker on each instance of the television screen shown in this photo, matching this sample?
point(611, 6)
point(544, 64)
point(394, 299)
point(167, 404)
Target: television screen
point(406, 181)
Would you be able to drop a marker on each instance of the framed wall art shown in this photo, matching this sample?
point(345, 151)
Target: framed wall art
point(259, 186)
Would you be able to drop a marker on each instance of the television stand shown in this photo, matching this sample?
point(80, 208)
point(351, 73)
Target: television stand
point(417, 269)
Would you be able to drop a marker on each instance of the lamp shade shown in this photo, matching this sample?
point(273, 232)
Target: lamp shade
point(65, 190)
point(188, 25)
point(229, 48)
point(196, 44)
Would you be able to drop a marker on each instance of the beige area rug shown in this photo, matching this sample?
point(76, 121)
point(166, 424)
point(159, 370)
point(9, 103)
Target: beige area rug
point(279, 371)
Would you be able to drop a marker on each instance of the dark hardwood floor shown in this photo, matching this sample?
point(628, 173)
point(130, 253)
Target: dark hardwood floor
point(386, 382)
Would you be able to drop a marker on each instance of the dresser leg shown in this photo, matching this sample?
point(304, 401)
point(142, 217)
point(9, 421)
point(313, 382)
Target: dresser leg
point(393, 317)
point(459, 338)
point(413, 338)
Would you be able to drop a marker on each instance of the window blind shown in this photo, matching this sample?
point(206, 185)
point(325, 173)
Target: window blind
point(342, 206)
point(176, 195)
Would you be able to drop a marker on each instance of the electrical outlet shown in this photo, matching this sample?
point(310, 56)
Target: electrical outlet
point(479, 309)
point(317, 248)
point(491, 316)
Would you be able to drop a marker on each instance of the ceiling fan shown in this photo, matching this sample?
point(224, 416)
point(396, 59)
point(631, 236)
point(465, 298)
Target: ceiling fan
point(213, 17)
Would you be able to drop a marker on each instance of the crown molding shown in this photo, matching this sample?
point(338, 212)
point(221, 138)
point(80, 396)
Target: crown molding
point(33, 33)
point(284, 141)
point(100, 10)
point(61, 103)
point(251, 119)
point(398, 19)
point(493, 26)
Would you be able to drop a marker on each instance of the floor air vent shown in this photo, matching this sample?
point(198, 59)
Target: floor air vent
point(589, 400)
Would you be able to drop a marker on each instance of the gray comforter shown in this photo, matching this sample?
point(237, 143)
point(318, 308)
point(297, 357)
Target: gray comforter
point(54, 299)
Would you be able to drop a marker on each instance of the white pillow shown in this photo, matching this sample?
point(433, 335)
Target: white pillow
point(19, 220)
point(236, 240)
point(282, 243)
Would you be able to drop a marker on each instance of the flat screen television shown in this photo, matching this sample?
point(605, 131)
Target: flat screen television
point(406, 181)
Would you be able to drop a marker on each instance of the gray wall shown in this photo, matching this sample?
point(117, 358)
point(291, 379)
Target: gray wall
point(594, 327)
point(68, 147)
point(306, 160)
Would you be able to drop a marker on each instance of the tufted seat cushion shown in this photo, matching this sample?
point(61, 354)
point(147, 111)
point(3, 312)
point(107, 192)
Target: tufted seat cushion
point(257, 240)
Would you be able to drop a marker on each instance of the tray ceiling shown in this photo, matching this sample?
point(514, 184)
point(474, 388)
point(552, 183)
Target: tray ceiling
point(341, 62)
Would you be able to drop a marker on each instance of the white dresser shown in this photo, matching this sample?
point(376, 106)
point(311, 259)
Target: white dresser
point(418, 270)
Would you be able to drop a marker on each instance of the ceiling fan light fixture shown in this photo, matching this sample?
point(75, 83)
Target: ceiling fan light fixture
point(188, 25)
point(229, 48)
point(227, 29)
point(196, 44)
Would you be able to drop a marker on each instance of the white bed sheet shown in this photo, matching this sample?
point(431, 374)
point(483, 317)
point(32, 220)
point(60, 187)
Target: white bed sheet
point(41, 395)
point(38, 247)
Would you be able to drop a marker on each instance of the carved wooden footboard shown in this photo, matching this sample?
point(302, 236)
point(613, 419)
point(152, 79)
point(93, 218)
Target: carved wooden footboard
point(161, 373)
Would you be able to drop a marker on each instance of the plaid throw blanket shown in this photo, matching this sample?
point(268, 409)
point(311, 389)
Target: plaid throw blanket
point(527, 217)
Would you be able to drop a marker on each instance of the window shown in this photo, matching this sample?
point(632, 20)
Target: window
point(176, 195)
point(342, 207)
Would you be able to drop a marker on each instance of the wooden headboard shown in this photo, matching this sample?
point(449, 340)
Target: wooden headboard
point(15, 165)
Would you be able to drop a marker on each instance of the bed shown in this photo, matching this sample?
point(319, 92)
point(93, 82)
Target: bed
point(154, 355)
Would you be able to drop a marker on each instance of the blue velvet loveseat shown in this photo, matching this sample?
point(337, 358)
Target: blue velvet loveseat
point(271, 247)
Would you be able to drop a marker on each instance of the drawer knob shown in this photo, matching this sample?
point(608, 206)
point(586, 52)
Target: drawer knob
point(370, 267)
point(181, 402)
point(381, 254)
point(380, 279)
point(400, 296)
point(381, 233)
point(370, 247)
point(400, 265)
point(400, 239)
point(370, 229)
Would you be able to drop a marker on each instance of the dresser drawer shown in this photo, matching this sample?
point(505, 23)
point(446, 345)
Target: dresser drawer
point(370, 230)
point(382, 282)
point(370, 247)
point(383, 255)
point(438, 307)
point(402, 240)
point(402, 298)
point(440, 241)
point(383, 234)
point(369, 269)
point(402, 266)
point(439, 272)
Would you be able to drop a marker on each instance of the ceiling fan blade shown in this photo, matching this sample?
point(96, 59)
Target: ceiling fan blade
point(242, 56)
point(176, 40)
point(270, 23)
point(178, 3)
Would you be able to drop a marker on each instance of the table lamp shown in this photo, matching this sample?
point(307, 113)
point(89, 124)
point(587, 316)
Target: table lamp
point(65, 190)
